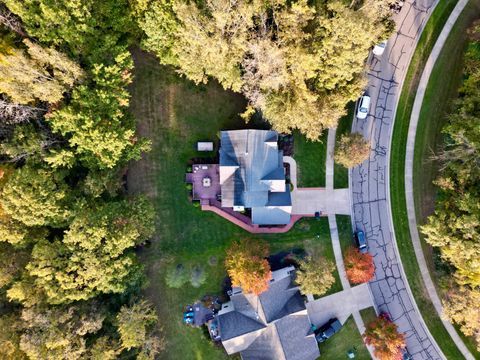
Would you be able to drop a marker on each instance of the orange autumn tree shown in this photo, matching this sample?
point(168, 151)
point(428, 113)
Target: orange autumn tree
point(359, 267)
point(383, 335)
point(247, 267)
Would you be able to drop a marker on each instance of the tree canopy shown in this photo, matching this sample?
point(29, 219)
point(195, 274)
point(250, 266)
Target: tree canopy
point(383, 335)
point(359, 267)
point(299, 66)
point(247, 265)
point(352, 150)
point(36, 74)
point(315, 275)
point(455, 226)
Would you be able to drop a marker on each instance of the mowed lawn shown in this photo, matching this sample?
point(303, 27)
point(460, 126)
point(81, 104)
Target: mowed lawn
point(174, 113)
point(348, 339)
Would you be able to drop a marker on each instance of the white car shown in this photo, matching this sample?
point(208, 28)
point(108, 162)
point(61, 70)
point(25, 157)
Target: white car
point(363, 107)
point(379, 48)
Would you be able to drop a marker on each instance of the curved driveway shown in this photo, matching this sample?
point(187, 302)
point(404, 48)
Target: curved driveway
point(369, 184)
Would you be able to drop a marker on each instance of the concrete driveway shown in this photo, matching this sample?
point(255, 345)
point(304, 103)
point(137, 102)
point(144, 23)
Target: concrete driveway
point(340, 305)
point(307, 201)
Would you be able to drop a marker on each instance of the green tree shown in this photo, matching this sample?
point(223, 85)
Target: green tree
point(315, 275)
point(12, 263)
point(97, 112)
point(92, 30)
point(176, 276)
point(36, 196)
point(134, 322)
point(455, 226)
point(93, 257)
point(10, 328)
point(297, 65)
point(42, 74)
point(60, 332)
point(352, 150)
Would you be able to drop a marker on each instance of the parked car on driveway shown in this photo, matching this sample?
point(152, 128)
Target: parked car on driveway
point(363, 107)
point(361, 241)
point(327, 330)
point(379, 48)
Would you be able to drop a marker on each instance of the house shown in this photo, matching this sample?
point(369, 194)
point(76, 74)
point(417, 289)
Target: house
point(252, 176)
point(273, 325)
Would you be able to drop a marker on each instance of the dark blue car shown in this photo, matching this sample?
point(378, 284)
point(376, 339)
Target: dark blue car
point(361, 241)
point(328, 330)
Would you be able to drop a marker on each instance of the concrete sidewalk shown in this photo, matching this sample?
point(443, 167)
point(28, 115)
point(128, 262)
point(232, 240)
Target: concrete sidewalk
point(410, 149)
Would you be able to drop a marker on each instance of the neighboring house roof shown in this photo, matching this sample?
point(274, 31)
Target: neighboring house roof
point(251, 170)
point(273, 325)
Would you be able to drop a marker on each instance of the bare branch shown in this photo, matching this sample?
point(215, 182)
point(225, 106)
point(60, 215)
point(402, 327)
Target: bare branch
point(11, 21)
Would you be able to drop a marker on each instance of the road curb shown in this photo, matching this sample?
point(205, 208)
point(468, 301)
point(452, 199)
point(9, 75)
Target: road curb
point(409, 155)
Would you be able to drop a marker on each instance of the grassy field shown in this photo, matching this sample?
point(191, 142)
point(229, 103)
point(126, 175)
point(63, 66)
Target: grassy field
point(397, 165)
point(347, 339)
point(340, 175)
point(310, 157)
point(174, 114)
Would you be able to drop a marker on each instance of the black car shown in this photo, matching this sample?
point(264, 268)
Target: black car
point(361, 241)
point(327, 330)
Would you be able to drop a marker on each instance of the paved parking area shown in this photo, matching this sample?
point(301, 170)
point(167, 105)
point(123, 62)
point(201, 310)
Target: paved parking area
point(340, 305)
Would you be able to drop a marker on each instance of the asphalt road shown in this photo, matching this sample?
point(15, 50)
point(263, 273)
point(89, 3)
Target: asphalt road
point(371, 211)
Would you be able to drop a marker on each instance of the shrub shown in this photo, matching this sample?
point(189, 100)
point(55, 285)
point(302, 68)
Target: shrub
point(198, 276)
point(188, 186)
point(176, 276)
point(196, 204)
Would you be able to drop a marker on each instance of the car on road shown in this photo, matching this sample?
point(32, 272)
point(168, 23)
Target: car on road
point(379, 48)
point(327, 330)
point(361, 241)
point(363, 107)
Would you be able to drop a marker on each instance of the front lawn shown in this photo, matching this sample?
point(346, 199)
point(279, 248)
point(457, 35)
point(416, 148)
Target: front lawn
point(174, 114)
point(347, 339)
point(310, 157)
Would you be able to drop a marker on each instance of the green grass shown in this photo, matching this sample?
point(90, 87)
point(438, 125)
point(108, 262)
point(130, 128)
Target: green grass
point(397, 186)
point(310, 157)
point(347, 339)
point(345, 234)
point(368, 315)
point(440, 92)
point(340, 175)
point(174, 114)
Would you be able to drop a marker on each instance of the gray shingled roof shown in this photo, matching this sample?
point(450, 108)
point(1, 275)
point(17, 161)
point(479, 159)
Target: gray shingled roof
point(273, 325)
point(259, 162)
point(242, 325)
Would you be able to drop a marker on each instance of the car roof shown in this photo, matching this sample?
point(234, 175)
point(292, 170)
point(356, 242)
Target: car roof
point(365, 101)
